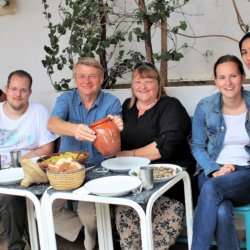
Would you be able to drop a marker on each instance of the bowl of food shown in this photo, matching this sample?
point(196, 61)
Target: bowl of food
point(76, 156)
point(162, 172)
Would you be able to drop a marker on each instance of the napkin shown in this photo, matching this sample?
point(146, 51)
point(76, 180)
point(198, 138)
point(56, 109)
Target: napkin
point(82, 190)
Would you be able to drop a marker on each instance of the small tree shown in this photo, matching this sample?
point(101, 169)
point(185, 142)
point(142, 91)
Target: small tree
point(101, 28)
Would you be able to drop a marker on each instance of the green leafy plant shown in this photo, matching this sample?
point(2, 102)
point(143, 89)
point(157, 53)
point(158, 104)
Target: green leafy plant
point(103, 28)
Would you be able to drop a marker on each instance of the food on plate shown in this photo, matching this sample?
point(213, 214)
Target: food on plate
point(159, 172)
point(66, 155)
point(135, 173)
point(65, 165)
point(162, 171)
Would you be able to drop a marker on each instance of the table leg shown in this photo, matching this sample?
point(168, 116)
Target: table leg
point(104, 228)
point(188, 205)
point(49, 221)
point(32, 225)
point(189, 208)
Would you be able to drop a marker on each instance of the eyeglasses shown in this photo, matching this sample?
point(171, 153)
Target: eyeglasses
point(22, 91)
point(141, 64)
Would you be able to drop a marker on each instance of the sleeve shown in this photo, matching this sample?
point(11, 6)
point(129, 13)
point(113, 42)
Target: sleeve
point(61, 108)
point(200, 140)
point(45, 136)
point(174, 128)
point(115, 107)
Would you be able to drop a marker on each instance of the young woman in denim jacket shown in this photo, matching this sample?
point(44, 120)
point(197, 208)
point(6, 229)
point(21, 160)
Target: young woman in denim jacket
point(220, 145)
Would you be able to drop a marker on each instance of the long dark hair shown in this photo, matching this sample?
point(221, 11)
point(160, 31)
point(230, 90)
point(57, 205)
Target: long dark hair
point(246, 36)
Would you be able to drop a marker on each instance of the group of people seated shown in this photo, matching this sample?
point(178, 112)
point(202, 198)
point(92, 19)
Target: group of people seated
point(214, 149)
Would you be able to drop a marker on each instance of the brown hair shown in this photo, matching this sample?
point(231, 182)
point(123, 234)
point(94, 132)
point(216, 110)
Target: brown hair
point(20, 73)
point(229, 58)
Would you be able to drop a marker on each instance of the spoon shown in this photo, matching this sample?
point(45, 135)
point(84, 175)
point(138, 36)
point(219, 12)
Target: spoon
point(78, 155)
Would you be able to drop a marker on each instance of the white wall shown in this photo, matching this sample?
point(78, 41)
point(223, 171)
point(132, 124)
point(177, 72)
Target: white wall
point(24, 34)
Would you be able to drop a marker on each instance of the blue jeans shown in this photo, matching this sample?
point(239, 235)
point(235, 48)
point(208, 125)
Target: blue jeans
point(213, 215)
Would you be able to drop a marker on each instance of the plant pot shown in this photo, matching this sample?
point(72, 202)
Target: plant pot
point(108, 141)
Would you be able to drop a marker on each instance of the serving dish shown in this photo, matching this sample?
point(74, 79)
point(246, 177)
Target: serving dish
point(78, 156)
point(174, 170)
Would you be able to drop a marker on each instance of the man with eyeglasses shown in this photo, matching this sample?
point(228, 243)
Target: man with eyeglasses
point(23, 126)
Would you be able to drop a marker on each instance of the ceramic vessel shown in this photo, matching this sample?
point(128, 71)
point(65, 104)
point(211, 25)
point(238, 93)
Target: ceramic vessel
point(108, 141)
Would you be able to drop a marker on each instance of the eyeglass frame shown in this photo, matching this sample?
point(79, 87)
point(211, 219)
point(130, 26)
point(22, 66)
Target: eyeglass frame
point(22, 91)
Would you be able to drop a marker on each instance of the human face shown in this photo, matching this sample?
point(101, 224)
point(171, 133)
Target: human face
point(145, 89)
point(229, 80)
point(18, 92)
point(88, 80)
point(245, 52)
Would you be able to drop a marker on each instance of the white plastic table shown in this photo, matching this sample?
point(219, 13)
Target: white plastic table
point(103, 212)
point(34, 213)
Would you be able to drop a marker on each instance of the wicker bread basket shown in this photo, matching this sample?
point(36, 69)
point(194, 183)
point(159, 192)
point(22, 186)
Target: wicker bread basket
point(66, 180)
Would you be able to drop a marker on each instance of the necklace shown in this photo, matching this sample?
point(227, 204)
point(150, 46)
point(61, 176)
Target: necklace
point(147, 107)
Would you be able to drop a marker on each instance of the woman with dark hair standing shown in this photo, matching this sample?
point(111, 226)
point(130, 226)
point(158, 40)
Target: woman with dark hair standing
point(220, 145)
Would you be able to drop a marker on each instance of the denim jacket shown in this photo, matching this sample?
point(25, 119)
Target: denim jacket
point(208, 131)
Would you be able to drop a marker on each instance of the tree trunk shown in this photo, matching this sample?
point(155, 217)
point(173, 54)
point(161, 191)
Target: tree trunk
point(147, 30)
point(102, 56)
point(164, 50)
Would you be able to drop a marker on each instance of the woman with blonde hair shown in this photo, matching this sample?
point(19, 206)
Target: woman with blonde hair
point(156, 126)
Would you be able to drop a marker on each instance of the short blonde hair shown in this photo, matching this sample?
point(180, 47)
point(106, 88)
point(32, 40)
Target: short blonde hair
point(147, 70)
point(89, 61)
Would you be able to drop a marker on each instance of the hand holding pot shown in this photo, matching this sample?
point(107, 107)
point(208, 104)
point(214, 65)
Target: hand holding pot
point(117, 121)
point(108, 141)
point(84, 133)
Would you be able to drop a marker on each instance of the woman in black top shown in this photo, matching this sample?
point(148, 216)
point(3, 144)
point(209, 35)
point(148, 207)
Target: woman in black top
point(160, 134)
point(158, 127)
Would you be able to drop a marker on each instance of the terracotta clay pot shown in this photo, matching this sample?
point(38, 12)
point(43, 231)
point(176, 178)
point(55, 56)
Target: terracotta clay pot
point(108, 141)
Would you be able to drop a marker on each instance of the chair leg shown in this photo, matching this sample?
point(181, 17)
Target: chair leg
point(247, 219)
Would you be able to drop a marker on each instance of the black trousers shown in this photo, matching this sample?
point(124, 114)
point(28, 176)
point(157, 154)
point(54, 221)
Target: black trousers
point(13, 214)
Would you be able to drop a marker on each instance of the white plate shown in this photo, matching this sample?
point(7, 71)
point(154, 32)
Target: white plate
point(177, 170)
point(124, 164)
point(113, 185)
point(11, 176)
